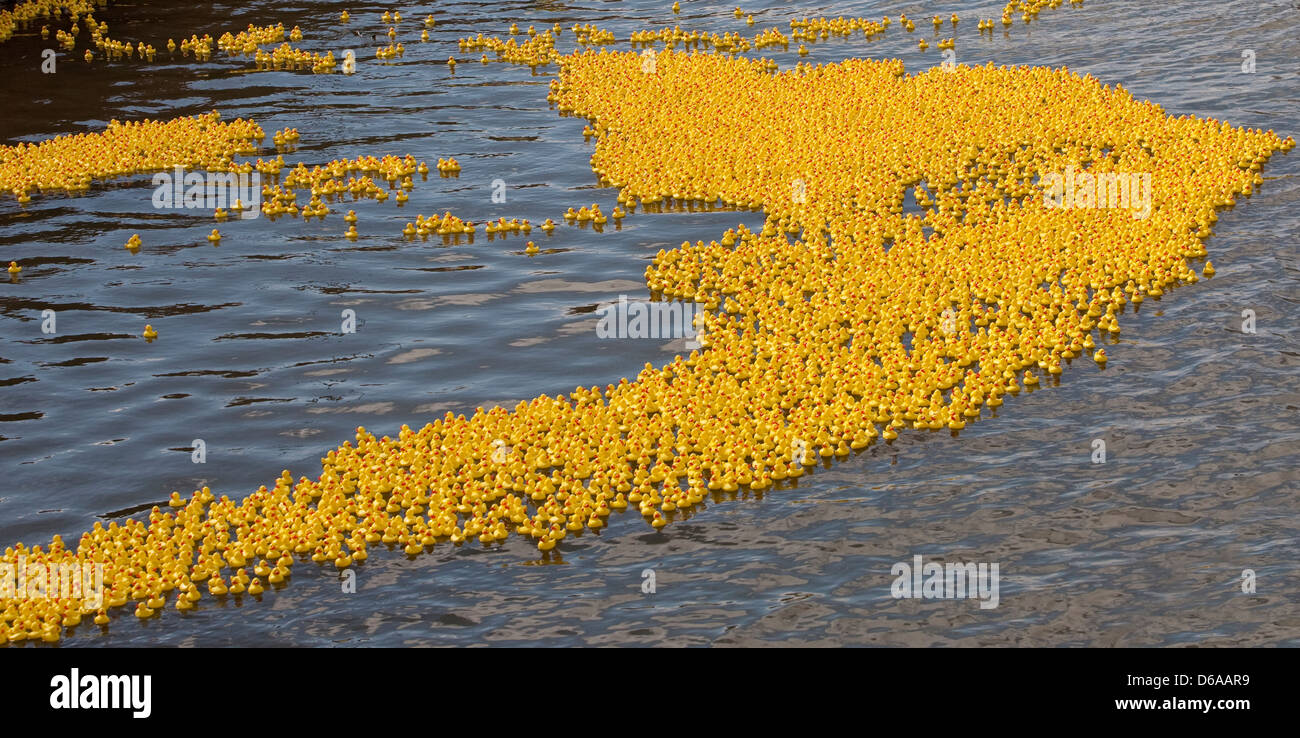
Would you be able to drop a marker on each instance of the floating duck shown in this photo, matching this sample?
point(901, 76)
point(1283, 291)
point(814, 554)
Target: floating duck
point(530, 248)
point(14, 269)
point(214, 236)
point(149, 333)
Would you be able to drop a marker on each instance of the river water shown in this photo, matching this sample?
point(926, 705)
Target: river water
point(1199, 418)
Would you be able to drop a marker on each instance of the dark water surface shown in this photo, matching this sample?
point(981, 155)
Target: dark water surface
point(1199, 418)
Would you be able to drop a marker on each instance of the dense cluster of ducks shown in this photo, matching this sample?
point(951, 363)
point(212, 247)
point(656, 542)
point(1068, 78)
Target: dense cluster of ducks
point(286, 56)
point(448, 226)
point(537, 51)
point(26, 12)
point(249, 40)
point(814, 29)
point(70, 163)
point(844, 321)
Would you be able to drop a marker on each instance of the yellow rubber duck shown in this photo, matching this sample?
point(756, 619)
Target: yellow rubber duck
point(1208, 271)
point(531, 248)
point(214, 236)
point(14, 269)
point(217, 586)
point(1100, 356)
point(149, 333)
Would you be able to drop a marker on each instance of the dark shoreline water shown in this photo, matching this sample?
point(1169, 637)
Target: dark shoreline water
point(1148, 549)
